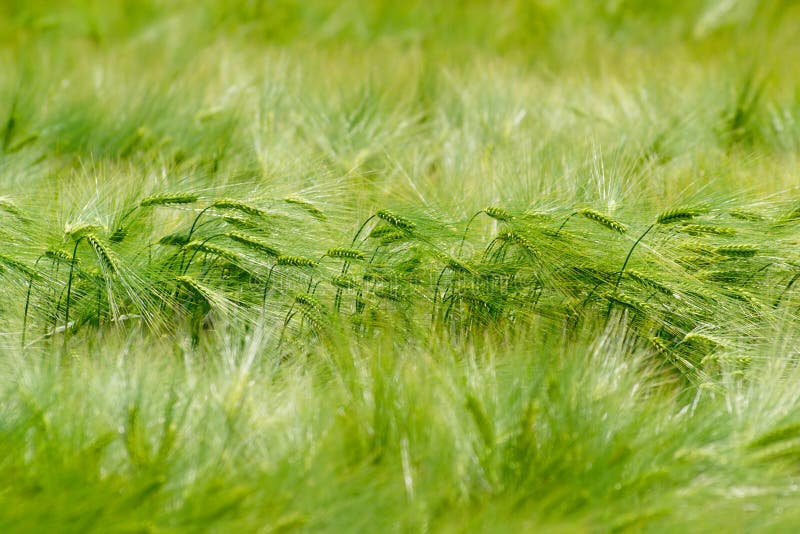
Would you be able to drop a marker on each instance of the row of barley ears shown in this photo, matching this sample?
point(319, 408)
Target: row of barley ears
point(524, 250)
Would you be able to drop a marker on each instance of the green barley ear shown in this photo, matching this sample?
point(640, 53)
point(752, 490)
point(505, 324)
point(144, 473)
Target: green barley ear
point(78, 231)
point(309, 302)
point(167, 199)
point(237, 205)
point(708, 229)
point(312, 310)
point(515, 238)
point(498, 213)
point(659, 344)
point(624, 300)
point(345, 253)
point(604, 220)
point(119, 235)
point(456, 265)
point(240, 222)
point(10, 207)
point(678, 214)
point(388, 238)
point(59, 255)
point(738, 251)
point(209, 248)
point(253, 243)
point(344, 282)
point(390, 292)
point(105, 255)
point(699, 247)
point(196, 287)
point(306, 205)
point(296, 261)
point(649, 283)
point(381, 231)
point(18, 266)
point(728, 277)
point(746, 215)
point(396, 220)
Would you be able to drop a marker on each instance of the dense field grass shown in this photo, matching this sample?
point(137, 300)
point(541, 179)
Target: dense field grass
point(399, 266)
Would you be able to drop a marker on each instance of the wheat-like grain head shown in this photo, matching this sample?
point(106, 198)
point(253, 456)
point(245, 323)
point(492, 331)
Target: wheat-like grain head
point(238, 205)
point(306, 205)
point(166, 199)
point(296, 261)
point(396, 220)
point(604, 220)
point(678, 214)
point(104, 253)
point(496, 212)
point(345, 253)
point(253, 243)
point(738, 251)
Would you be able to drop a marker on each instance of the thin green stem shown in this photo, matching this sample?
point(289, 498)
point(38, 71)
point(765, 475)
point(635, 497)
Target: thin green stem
point(628, 257)
point(571, 215)
point(69, 288)
point(360, 229)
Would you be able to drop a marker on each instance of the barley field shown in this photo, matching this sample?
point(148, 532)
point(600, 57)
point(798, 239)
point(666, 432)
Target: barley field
point(375, 266)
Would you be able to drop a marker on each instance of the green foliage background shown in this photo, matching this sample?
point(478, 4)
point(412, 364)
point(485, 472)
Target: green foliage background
point(493, 362)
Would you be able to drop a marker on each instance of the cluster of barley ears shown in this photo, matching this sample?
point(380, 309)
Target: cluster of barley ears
point(239, 259)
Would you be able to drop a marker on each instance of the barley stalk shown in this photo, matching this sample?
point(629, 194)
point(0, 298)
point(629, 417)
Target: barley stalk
point(667, 217)
point(494, 212)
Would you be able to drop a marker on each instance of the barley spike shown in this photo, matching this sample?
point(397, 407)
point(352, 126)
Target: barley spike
point(254, 243)
point(738, 251)
point(165, 199)
point(677, 214)
point(346, 253)
point(604, 220)
point(396, 220)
